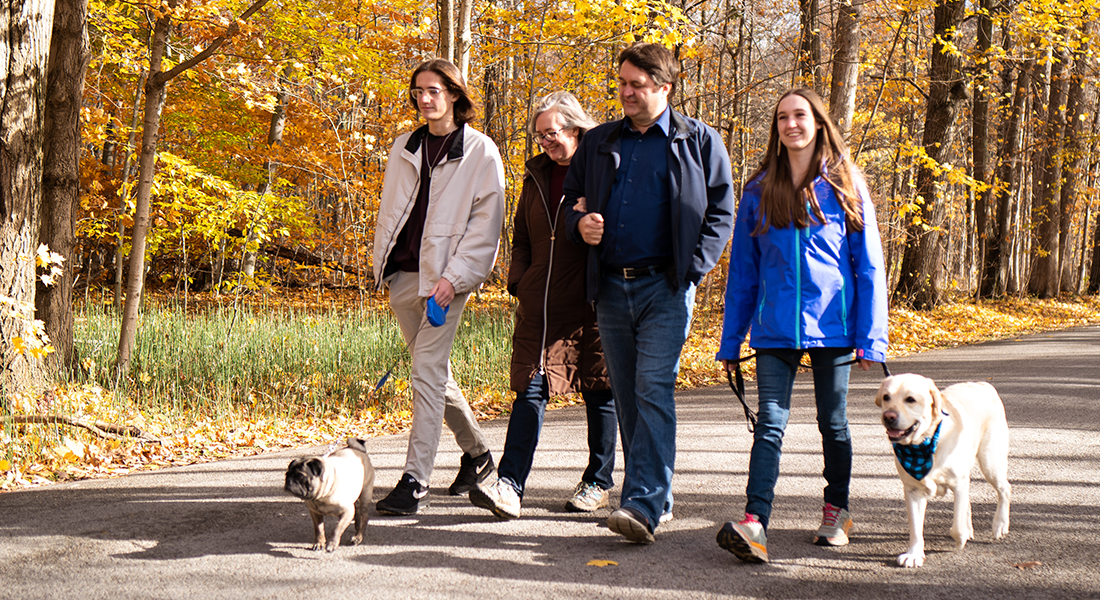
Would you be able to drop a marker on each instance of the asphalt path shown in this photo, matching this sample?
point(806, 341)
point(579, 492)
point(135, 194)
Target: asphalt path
point(227, 529)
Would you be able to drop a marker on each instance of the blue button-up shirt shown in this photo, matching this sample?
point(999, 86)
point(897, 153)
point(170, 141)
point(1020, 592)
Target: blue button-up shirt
point(638, 215)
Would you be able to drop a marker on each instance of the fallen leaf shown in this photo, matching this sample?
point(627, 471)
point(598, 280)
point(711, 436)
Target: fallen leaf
point(602, 563)
point(1028, 565)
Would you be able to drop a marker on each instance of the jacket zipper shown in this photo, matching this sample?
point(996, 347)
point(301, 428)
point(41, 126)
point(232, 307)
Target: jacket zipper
point(798, 288)
point(553, 221)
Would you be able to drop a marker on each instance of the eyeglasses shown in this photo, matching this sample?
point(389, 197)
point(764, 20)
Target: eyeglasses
point(416, 93)
point(549, 136)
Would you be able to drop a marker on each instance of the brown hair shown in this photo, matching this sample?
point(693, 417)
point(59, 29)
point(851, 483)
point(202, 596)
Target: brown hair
point(465, 109)
point(657, 61)
point(783, 202)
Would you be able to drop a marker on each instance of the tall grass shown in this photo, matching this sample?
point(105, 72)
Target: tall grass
point(287, 362)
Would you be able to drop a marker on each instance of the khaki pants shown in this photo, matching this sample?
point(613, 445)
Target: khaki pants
point(436, 396)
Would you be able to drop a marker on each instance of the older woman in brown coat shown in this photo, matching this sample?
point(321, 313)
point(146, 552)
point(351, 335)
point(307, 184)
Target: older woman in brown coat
point(556, 346)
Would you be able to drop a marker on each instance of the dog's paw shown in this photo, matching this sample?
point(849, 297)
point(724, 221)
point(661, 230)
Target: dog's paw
point(331, 547)
point(317, 546)
point(911, 559)
point(1000, 530)
point(355, 539)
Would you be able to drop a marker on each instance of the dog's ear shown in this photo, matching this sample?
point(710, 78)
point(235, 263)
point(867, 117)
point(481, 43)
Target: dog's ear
point(316, 467)
point(881, 392)
point(937, 398)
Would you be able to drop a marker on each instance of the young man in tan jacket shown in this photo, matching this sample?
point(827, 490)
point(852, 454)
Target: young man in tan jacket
point(436, 236)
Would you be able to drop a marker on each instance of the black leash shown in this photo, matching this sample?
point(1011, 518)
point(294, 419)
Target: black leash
point(737, 383)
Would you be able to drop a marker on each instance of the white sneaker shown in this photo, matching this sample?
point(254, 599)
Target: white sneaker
point(500, 498)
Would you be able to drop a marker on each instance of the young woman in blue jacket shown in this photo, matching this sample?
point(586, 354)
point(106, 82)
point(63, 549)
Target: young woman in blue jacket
point(806, 277)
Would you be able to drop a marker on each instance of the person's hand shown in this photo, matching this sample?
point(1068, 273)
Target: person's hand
point(729, 365)
point(444, 292)
point(866, 364)
point(581, 205)
point(591, 228)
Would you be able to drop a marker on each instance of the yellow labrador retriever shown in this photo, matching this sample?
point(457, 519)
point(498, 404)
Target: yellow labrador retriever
point(937, 435)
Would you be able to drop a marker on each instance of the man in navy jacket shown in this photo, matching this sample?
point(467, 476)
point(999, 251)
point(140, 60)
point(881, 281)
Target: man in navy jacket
point(652, 196)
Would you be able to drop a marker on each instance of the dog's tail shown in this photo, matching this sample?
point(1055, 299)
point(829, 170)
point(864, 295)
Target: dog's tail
point(357, 444)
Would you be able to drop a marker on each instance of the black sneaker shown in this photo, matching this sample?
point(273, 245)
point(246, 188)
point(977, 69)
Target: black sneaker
point(472, 472)
point(405, 499)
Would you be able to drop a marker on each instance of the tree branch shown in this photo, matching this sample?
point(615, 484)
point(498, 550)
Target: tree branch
point(99, 428)
point(166, 76)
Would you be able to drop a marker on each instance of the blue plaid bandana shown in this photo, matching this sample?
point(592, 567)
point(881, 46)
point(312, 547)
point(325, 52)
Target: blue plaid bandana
point(916, 459)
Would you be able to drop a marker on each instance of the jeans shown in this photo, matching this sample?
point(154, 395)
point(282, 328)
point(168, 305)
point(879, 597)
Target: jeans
point(526, 422)
point(775, 371)
point(643, 325)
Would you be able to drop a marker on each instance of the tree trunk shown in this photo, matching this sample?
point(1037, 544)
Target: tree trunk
point(155, 90)
point(274, 138)
point(447, 29)
point(998, 252)
point(921, 266)
point(128, 164)
point(842, 92)
point(1077, 108)
point(980, 152)
point(69, 58)
point(1047, 263)
point(465, 38)
point(25, 31)
point(808, 71)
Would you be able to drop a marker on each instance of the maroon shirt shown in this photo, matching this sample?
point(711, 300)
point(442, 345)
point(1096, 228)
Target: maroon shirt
point(557, 188)
point(406, 250)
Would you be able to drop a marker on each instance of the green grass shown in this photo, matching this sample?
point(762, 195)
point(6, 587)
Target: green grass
point(280, 361)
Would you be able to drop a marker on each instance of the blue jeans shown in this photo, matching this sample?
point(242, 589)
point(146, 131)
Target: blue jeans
point(775, 372)
point(643, 326)
point(526, 422)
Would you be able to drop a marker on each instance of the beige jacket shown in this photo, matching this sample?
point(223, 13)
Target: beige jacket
point(465, 209)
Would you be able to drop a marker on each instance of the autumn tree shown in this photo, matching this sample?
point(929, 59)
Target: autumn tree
point(155, 92)
point(61, 172)
point(919, 283)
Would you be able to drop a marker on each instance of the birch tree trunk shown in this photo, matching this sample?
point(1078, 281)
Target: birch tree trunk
point(25, 30)
point(69, 58)
point(465, 37)
point(921, 266)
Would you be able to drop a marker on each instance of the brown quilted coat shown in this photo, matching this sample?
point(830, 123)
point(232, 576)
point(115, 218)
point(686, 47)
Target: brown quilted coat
point(573, 359)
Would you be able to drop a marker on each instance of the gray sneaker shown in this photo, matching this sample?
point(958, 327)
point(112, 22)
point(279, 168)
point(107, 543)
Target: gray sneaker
point(835, 525)
point(588, 497)
point(631, 524)
point(500, 498)
point(746, 540)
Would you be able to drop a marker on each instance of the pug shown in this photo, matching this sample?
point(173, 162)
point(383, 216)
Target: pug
point(337, 484)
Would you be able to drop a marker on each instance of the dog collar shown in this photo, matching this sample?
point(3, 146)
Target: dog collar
point(916, 459)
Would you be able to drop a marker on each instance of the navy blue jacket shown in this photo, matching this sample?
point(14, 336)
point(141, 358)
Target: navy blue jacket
point(700, 186)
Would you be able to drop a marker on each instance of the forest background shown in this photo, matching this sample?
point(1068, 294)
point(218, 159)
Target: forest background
point(228, 156)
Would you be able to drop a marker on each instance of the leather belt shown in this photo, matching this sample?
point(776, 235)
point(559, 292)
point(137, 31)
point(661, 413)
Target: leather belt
point(639, 272)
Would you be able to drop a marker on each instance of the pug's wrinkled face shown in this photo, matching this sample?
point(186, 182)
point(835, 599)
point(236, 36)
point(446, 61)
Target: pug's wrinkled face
point(909, 404)
point(303, 477)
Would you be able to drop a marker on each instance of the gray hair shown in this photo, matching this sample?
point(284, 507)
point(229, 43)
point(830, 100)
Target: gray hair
point(567, 106)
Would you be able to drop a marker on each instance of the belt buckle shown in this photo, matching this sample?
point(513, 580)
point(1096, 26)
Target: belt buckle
point(628, 273)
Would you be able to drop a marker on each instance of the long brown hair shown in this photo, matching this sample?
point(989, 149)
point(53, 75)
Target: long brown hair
point(465, 109)
point(782, 202)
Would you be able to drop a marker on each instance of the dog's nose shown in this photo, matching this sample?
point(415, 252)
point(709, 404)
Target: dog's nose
point(890, 418)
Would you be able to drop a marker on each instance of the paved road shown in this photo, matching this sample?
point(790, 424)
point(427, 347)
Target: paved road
point(226, 530)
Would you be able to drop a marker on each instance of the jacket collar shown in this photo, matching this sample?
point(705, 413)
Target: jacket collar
point(681, 129)
point(458, 145)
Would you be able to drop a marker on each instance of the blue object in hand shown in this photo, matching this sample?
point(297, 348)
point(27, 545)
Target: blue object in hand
point(437, 315)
